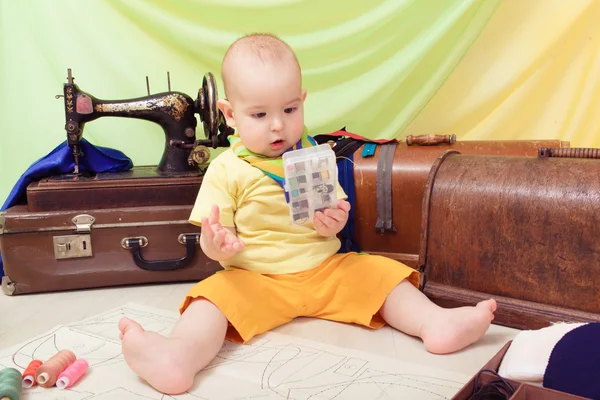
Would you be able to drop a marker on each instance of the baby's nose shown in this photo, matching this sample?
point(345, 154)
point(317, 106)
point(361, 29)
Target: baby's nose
point(276, 124)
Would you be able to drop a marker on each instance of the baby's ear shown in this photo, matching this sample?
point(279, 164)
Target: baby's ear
point(227, 110)
point(304, 93)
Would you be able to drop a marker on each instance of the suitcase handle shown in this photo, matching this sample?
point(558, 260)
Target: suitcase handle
point(430, 140)
point(135, 244)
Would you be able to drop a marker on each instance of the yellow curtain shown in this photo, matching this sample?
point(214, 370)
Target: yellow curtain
point(533, 73)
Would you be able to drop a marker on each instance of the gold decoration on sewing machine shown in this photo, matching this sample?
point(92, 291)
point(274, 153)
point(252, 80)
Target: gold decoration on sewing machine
point(173, 104)
point(69, 99)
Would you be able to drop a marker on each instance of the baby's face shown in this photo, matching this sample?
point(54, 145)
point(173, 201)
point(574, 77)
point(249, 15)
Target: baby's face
point(267, 103)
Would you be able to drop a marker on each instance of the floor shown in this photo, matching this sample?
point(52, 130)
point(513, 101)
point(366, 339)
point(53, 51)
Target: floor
point(25, 316)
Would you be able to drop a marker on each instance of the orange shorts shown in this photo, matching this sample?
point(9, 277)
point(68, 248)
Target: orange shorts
point(347, 287)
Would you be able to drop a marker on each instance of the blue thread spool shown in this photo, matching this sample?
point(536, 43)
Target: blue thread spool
point(10, 384)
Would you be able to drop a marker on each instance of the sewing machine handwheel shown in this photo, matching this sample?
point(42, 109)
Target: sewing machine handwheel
point(209, 114)
point(199, 155)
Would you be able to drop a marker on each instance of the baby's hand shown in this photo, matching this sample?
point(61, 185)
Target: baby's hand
point(333, 220)
point(219, 242)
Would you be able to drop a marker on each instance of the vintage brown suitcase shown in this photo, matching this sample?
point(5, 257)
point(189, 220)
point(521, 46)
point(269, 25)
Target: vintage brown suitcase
point(409, 172)
point(524, 230)
point(60, 250)
point(141, 186)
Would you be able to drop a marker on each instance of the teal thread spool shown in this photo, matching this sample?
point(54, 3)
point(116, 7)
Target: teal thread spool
point(10, 384)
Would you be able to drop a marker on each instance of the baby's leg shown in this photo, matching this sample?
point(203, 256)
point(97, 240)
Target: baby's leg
point(443, 330)
point(169, 364)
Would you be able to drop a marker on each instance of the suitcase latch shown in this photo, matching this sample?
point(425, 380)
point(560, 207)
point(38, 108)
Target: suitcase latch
point(75, 246)
point(72, 246)
point(83, 222)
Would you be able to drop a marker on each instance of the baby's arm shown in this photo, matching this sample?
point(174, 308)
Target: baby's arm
point(332, 220)
point(218, 242)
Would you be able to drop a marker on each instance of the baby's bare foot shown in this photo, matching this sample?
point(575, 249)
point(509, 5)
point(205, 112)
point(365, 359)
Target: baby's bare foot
point(163, 362)
point(456, 328)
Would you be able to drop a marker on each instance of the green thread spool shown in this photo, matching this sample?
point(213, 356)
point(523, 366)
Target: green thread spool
point(10, 384)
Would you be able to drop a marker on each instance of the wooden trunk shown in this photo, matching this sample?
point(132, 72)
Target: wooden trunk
point(411, 166)
point(523, 230)
point(60, 250)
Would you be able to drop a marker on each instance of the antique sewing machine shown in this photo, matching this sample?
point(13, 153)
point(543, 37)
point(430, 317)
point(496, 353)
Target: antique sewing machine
point(176, 177)
point(173, 111)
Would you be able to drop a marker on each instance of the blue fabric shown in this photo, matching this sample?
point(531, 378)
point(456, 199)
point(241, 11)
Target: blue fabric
point(59, 161)
point(369, 150)
point(346, 180)
point(574, 364)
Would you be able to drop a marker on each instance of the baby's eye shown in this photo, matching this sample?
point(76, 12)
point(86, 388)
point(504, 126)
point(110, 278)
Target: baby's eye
point(289, 110)
point(259, 115)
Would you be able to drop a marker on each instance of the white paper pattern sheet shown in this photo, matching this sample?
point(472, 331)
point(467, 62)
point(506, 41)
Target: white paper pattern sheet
point(273, 366)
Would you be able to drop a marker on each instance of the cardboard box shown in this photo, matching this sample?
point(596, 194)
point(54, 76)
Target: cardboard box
point(523, 390)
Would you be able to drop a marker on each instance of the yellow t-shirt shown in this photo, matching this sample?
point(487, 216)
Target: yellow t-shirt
point(255, 205)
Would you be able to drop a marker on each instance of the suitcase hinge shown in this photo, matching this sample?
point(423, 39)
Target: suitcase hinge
point(2, 222)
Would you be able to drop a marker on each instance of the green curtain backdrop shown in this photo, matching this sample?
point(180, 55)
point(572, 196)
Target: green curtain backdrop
point(368, 65)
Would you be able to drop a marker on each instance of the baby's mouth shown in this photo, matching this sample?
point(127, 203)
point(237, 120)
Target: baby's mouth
point(278, 144)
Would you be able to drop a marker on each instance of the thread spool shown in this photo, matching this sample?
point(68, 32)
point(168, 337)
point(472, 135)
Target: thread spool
point(48, 372)
point(29, 374)
point(72, 374)
point(10, 384)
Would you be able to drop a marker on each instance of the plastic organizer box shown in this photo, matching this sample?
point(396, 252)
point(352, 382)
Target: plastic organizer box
point(310, 181)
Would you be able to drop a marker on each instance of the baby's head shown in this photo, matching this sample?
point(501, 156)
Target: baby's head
point(264, 96)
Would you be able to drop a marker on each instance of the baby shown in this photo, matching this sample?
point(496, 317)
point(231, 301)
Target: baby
point(275, 271)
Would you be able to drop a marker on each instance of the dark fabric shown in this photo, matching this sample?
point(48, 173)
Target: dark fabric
point(346, 180)
point(496, 389)
point(574, 364)
point(344, 148)
point(95, 159)
point(489, 392)
point(334, 136)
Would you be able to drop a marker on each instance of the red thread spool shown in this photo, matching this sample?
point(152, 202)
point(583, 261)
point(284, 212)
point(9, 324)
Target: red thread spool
point(48, 373)
point(29, 374)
